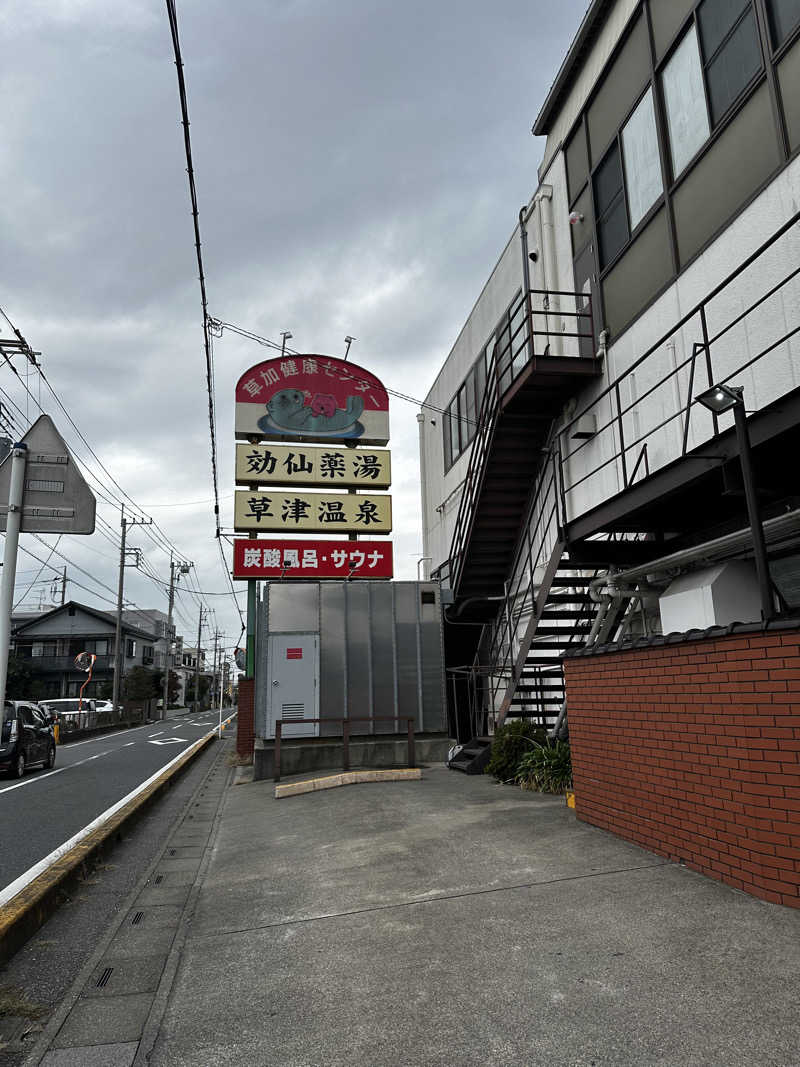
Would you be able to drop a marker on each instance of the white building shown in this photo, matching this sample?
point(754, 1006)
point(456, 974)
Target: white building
point(658, 256)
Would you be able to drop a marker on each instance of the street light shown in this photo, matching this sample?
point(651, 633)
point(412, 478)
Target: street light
point(719, 399)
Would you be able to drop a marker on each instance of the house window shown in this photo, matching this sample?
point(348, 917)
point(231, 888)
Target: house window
point(784, 16)
point(130, 648)
point(716, 68)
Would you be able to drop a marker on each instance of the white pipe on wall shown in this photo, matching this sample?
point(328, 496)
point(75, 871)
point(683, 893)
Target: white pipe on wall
point(544, 198)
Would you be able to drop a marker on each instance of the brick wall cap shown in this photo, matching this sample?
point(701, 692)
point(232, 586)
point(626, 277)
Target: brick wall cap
point(688, 636)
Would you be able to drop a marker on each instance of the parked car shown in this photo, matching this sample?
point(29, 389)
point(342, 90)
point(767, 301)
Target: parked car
point(69, 715)
point(104, 705)
point(27, 739)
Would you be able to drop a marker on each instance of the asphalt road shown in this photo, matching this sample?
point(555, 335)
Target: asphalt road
point(46, 808)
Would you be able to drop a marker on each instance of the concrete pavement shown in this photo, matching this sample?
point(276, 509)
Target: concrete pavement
point(448, 921)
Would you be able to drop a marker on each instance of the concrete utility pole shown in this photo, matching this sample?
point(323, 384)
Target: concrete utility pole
point(64, 587)
point(123, 552)
point(217, 650)
point(181, 568)
point(197, 664)
point(13, 523)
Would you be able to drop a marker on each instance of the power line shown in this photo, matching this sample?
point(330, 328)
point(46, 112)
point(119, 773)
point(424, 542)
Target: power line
point(187, 144)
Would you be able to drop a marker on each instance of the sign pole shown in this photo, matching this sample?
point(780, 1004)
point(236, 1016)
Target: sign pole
point(250, 644)
point(13, 521)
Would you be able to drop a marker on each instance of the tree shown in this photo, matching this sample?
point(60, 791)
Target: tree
point(173, 686)
point(19, 681)
point(141, 684)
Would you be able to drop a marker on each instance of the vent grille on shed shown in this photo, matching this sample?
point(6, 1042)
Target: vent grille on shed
point(292, 711)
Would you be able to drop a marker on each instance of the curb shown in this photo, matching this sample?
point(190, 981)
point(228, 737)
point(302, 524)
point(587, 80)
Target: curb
point(332, 781)
point(26, 912)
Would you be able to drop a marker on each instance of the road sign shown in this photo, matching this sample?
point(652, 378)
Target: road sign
point(311, 559)
point(303, 465)
point(312, 398)
point(55, 497)
point(293, 511)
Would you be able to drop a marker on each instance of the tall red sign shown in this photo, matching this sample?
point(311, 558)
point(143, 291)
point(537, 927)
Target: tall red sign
point(284, 558)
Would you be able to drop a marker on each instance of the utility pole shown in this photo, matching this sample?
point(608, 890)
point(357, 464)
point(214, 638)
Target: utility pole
point(197, 665)
point(217, 666)
point(180, 568)
point(64, 587)
point(123, 552)
point(13, 522)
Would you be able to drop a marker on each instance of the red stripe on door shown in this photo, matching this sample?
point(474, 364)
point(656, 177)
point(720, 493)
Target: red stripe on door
point(294, 653)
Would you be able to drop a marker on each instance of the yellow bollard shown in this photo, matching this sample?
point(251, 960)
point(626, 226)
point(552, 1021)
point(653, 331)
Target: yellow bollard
point(56, 731)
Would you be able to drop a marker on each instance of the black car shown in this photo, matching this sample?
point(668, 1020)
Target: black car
point(27, 739)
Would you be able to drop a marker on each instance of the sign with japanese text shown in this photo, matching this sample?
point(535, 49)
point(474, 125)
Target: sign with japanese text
point(312, 398)
point(301, 465)
point(295, 510)
point(312, 559)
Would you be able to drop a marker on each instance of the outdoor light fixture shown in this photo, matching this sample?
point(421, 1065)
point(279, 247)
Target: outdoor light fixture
point(719, 399)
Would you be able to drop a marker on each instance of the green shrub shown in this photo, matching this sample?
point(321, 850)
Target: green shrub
point(509, 745)
point(546, 768)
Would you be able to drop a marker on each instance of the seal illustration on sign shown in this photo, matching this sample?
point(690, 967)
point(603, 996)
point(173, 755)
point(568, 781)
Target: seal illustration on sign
point(288, 413)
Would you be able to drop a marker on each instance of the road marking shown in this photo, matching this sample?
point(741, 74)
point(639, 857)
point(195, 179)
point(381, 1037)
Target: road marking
point(103, 737)
point(15, 887)
point(129, 744)
point(58, 770)
point(170, 741)
point(160, 732)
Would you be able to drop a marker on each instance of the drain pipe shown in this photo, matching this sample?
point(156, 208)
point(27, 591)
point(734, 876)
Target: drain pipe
point(526, 275)
point(544, 199)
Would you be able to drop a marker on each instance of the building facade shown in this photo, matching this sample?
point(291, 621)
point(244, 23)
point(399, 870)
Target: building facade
point(575, 490)
point(49, 643)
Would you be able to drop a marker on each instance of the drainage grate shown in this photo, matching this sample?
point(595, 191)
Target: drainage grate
point(137, 918)
point(159, 878)
point(104, 977)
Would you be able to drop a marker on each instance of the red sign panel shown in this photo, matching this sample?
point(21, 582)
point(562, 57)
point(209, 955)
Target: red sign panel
point(314, 398)
point(312, 559)
point(294, 653)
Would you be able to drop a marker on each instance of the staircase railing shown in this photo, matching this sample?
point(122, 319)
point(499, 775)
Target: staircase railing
point(518, 341)
point(649, 413)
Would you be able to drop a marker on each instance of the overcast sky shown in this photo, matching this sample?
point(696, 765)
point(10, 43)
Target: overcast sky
point(359, 165)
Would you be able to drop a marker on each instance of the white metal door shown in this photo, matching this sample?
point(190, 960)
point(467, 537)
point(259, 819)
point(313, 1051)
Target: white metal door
point(293, 683)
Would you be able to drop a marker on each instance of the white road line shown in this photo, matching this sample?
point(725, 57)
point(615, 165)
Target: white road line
point(129, 744)
point(160, 732)
point(19, 884)
point(102, 737)
point(58, 770)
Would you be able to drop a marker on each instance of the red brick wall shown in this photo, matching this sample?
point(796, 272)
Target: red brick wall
point(692, 750)
point(245, 720)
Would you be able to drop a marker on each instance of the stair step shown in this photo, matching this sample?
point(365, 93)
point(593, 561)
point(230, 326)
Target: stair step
point(562, 580)
point(569, 598)
point(556, 646)
point(561, 631)
point(558, 613)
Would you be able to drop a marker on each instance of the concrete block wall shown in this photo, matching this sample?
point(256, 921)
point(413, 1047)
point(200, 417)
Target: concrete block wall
point(245, 720)
point(692, 750)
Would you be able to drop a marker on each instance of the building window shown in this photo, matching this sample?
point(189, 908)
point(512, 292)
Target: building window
point(784, 16)
point(628, 180)
point(130, 648)
point(641, 159)
point(709, 73)
point(461, 420)
point(731, 48)
point(609, 198)
point(685, 102)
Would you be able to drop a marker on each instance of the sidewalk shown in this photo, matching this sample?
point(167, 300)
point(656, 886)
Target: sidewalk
point(438, 923)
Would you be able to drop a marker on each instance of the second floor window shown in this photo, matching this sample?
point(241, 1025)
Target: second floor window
point(784, 17)
point(707, 72)
point(628, 181)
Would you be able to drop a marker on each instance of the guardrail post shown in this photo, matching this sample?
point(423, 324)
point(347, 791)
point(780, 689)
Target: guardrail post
point(277, 763)
point(345, 744)
point(412, 759)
